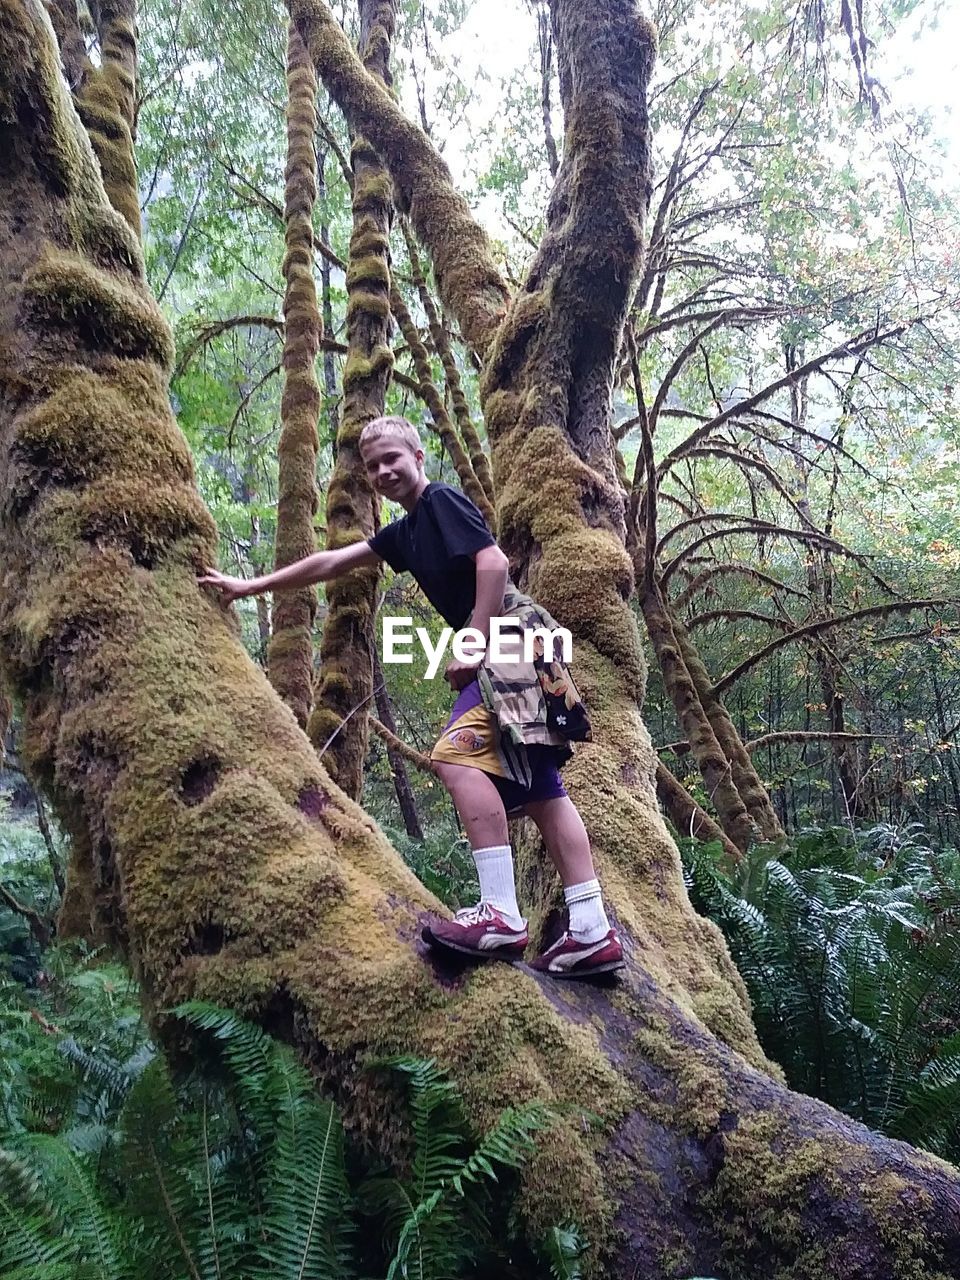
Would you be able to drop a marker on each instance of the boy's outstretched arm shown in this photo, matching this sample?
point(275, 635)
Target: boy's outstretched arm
point(320, 567)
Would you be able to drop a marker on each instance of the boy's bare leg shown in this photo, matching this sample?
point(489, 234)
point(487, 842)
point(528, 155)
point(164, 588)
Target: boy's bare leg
point(478, 803)
point(568, 845)
point(565, 837)
point(495, 926)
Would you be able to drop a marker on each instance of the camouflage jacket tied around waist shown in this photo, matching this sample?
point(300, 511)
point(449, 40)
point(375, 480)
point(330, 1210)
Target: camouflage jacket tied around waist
point(532, 702)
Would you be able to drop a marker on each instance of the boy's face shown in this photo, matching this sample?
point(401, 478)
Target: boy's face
point(392, 467)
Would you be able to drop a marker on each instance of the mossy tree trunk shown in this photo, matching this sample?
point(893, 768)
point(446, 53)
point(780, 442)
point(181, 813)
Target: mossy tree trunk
point(458, 455)
point(106, 95)
point(750, 788)
point(398, 768)
point(705, 747)
point(340, 720)
point(444, 349)
point(230, 867)
point(290, 654)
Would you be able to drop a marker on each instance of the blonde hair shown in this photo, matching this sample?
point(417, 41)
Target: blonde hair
point(391, 426)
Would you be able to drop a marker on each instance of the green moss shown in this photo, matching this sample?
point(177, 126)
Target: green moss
point(63, 291)
point(699, 1095)
point(372, 188)
point(360, 367)
point(369, 270)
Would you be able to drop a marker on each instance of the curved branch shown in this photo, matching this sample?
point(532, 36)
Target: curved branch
point(415, 757)
point(207, 333)
point(843, 350)
point(729, 567)
point(673, 372)
point(811, 735)
point(746, 461)
point(467, 277)
point(780, 531)
point(733, 615)
point(247, 397)
point(827, 624)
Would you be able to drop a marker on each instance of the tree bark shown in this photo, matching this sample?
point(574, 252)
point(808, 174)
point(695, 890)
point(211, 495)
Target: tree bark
point(290, 652)
point(231, 868)
point(339, 724)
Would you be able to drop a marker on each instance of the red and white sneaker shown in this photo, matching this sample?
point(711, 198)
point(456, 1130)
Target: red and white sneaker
point(478, 931)
point(568, 958)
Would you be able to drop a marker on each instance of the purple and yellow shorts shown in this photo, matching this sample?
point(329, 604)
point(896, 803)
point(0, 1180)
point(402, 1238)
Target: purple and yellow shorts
point(472, 738)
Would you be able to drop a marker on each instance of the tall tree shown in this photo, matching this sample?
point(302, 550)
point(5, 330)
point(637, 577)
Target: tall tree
point(290, 655)
point(227, 863)
point(339, 723)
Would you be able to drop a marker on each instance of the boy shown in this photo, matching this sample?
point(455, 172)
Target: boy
point(445, 543)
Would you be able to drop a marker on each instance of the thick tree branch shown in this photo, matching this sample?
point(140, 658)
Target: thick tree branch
point(469, 282)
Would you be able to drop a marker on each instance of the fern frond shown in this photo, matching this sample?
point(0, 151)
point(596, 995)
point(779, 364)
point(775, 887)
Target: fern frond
point(33, 1237)
point(563, 1248)
point(307, 1220)
point(96, 1231)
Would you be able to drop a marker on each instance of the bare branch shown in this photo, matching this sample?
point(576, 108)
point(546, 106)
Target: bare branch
point(418, 758)
point(718, 570)
point(817, 628)
point(852, 347)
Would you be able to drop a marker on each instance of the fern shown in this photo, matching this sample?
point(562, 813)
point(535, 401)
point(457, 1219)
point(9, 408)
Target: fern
point(240, 1171)
point(851, 970)
point(35, 1240)
point(295, 1143)
point(563, 1249)
point(437, 1216)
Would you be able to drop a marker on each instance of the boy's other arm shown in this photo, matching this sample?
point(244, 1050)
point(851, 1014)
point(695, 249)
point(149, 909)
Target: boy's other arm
point(319, 567)
point(493, 569)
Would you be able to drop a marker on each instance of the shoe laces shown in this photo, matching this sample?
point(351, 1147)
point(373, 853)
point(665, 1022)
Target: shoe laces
point(473, 915)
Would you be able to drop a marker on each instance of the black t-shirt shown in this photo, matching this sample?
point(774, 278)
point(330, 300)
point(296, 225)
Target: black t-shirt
point(436, 542)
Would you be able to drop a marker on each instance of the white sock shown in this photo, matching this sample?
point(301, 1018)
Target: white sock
point(497, 886)
point(588, 920)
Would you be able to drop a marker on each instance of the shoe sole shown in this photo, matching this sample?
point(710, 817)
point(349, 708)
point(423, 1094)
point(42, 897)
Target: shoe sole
point(509, 951)
point(612, 966)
